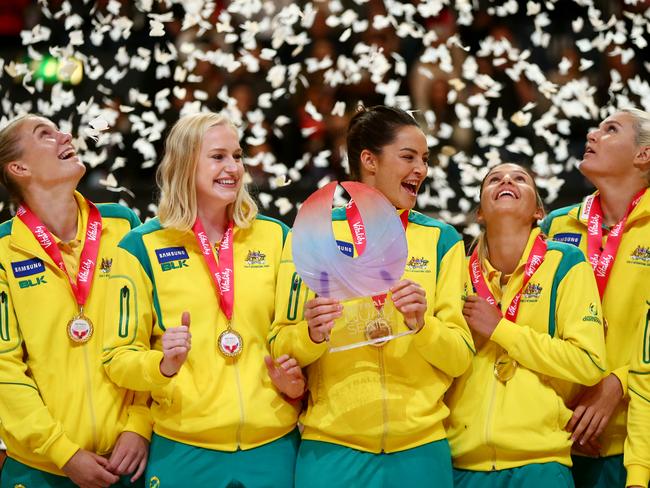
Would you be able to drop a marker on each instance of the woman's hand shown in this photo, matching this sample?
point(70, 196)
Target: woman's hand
point(481, 317)
point(286, 375)
point(411, 301)
point(321, 313)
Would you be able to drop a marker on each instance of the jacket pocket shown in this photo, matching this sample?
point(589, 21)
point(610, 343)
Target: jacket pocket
point(4, 317)
point(125, 312)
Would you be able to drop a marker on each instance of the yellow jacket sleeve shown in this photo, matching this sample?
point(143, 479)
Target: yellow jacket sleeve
point(445, 340)
point(622, 375)
point(637, 443)
point(577, 352)
point(289, 333)
point(22, 410)
point(130, 317)
point(139, 415)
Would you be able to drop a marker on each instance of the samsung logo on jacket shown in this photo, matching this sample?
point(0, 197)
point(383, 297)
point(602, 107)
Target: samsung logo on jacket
point(28, 267)
point(167, 254)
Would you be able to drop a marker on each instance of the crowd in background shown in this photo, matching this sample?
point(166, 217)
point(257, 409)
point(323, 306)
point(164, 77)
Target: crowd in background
point(312, 144)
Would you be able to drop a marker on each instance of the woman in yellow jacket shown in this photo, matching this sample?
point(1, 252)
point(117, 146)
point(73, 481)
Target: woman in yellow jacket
point(188, 311)
point(612, 228)
point(375, 414)
point(537, 325)
point(63, 421)
point(637, 443)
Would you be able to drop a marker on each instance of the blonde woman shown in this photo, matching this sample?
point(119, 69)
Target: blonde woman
point(537, 324)
point(612, 228)
point(64, 422)
point(189, 307)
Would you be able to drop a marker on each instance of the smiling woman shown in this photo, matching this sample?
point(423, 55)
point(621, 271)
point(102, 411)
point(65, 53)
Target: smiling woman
point(375, 414)
point(219, 408)
point(536, 321)
point(48, 256)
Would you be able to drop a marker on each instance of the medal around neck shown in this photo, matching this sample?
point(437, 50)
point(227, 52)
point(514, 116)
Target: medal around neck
point(230, 343)
point(328, 268)
point(80, 329)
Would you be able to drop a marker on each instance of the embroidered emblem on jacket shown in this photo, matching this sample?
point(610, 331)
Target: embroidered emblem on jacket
point(255, 259)
point(641, 255)
point(420, 265)
point(592, 314)
point(532, 292)
point(105, 266)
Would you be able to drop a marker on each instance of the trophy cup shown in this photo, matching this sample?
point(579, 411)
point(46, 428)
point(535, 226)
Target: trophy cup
point(329, 269)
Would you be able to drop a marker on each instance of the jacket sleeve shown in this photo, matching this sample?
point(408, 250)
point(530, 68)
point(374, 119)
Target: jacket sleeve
point(289, 333)
point(131, 315)
point(139, 418)
point(445, 340)
point(577, 352)
point(637, 443)
point(622, 374)
point(25, 417)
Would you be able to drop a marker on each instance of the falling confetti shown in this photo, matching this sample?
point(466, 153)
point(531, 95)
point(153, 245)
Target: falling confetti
point(530, 82)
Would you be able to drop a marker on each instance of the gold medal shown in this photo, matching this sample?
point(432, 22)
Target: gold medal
point(376, 329)
point(80, 328)
point(505, 367)
point(230, 343)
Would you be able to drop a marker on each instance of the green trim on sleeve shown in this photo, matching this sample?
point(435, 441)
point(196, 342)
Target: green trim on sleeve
point(571, 256)
point(638, 394)
point(117, 211)
point(595, 363)
point(18, 384)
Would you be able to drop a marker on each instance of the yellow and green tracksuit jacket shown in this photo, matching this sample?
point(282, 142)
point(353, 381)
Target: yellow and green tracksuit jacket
point(212, 402)
point(637, 444)
point(624, 301)
point(383, 399)
point(55, 397)
point(558, 344)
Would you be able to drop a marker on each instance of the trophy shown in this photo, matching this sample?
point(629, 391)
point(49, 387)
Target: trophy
point(329, 269)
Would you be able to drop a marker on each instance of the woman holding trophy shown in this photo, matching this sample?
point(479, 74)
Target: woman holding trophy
point(375, 413)
point(537, 325)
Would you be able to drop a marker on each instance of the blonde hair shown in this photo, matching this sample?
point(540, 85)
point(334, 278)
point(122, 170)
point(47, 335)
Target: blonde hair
point(641, 122)
point(641, 125)
point(11, 150)
point(176, 175)
point(480, 241)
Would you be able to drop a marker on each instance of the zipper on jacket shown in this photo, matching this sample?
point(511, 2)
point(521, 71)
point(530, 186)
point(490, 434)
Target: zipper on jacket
point(91, 408)
point(294, 297)
point(123, 326)
point(4, 317)
point(488, 420)
point(384, 400)
point(646, 337)
point(241, 407)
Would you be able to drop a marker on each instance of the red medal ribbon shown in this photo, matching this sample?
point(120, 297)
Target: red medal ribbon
point(603, 261)
point(222, 273)
point(89, 252)
point(358, 231)
point(534, 261)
